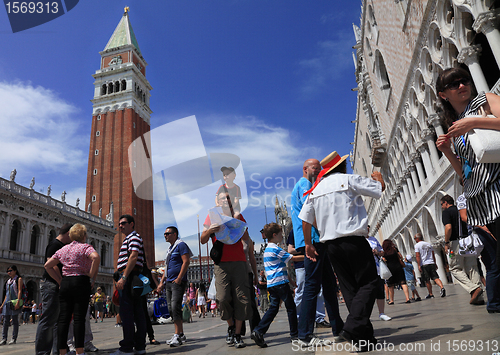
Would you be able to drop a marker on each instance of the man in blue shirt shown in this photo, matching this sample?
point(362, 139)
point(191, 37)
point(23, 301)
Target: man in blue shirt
point(175, 280)
point(317, 273)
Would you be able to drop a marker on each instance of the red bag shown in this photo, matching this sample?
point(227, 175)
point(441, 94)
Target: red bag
point(116, 298)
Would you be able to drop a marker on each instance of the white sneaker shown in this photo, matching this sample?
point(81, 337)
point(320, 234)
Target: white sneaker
point(383, 316)
point(314, 340)
point(183, 337)
point(175, 341)
point(89, 347)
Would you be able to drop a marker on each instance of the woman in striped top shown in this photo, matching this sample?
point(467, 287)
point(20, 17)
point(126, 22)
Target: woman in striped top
point(482, 184)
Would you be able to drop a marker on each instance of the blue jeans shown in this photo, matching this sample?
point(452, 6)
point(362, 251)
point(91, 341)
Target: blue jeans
point(46, 332)
point(488, 255)
point(277, 293)
point(6, 324)
point(319, 273)
point(300, 277)
point(131, 312)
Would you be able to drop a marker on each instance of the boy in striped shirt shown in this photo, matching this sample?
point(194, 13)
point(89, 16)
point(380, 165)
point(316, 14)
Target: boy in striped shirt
point(275, 260)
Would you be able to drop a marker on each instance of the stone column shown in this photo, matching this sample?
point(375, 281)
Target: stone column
point(5, 237)
point(469, 56)
point(435, 121)
point(418, 165)
point(428, 136)
point(439, 262)
point(409, 201)
point(410, 183)
point(413, 171)
point(485, 23)
point(426, 160)
point(25, 237)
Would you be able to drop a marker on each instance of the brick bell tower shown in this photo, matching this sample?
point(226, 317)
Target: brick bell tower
point(121, 114)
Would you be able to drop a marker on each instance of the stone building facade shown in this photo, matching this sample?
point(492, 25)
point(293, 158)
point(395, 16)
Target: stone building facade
point(29, 220)
point(401, 48)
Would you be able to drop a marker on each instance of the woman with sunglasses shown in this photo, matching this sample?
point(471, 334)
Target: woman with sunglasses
point(11, 310)
point(462, 112)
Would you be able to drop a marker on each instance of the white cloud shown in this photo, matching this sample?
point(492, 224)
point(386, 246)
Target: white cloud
point(39, 131)
point(262, 147)
point(332, 59)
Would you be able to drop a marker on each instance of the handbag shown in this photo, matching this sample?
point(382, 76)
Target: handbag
point(116, 298)
point(470, 246)
point(216, 252)
point(141, 285)
point(385, 273)
point(485, 142)
point(13, 303)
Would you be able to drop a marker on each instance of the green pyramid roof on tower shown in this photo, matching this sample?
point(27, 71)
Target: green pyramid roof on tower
point(123, 34)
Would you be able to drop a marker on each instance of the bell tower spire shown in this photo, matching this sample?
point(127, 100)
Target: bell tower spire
point(121, 113)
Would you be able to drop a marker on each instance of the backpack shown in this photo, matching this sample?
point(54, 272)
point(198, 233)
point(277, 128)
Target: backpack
point(24, 293)
point(160, 308)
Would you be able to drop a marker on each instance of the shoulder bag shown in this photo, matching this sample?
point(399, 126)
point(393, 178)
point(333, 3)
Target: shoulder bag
point(471, 245)
point(485, 142)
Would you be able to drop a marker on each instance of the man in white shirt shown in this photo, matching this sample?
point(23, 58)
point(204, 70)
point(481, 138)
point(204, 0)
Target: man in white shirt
point(427, 266)
point(335, 205)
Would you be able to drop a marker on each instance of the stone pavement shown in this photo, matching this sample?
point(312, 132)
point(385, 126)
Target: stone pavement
point(436, 326)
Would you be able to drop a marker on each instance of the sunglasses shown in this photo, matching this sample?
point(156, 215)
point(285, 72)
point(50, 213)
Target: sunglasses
point(168, 233)
point(456, 84)
point(123, 223)
point(9, 271)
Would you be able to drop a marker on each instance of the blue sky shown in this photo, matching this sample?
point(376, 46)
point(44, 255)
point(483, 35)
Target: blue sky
point(268, 81)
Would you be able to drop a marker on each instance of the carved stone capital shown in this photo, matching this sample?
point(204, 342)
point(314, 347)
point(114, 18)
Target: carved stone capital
point(469, 55)
point(434, 120)
point(427, 134)
point(421, 146)
point(414, 157)
point(485, 22)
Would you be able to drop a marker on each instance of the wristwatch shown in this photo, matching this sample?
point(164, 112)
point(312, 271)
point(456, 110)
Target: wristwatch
point(123, 277)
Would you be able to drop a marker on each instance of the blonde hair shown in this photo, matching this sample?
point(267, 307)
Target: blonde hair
point(78, 233)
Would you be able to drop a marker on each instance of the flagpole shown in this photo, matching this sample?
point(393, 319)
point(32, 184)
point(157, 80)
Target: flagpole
point(199, 247)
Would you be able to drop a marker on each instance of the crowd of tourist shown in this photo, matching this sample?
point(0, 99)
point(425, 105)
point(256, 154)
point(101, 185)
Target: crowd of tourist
point(334, 257)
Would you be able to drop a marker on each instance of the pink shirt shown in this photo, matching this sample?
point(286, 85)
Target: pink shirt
point(75, 258)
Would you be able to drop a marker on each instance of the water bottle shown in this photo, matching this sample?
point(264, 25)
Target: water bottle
point(452, 254)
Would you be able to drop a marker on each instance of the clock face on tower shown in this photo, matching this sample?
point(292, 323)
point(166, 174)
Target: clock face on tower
point(116, 60)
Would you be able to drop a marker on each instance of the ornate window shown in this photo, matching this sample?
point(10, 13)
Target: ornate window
point(35, 234)
point(15, 232)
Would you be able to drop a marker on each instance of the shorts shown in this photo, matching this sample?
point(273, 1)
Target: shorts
point(192, 302)
point(380, 289)
point(174, 293)
point(411, 284)
point(429, 272)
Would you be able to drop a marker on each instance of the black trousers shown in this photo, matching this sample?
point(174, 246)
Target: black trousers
point(74, 297)
point(353, 262)
point(149, 325)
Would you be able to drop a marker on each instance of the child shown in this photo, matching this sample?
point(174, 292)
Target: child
point(275, 260)
point(410, 278)
point(231, 188)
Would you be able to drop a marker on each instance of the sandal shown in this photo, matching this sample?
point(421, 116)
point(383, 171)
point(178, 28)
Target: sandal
point(390, 303)
point(154, 342)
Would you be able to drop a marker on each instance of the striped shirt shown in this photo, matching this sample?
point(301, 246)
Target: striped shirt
point(482, 189)
point(275, 260)
point(132, 242)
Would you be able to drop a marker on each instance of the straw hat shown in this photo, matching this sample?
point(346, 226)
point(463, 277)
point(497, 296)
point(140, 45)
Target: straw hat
point(331, 161)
